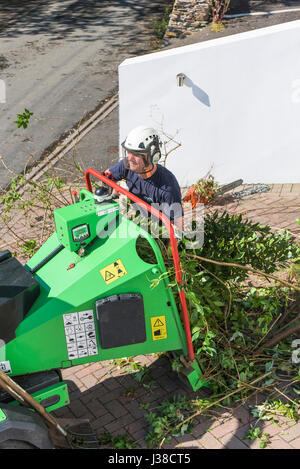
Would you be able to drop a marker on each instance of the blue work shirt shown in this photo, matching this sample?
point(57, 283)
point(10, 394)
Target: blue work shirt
point(160, 188)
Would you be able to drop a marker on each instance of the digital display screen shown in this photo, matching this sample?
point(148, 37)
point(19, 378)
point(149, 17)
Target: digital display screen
point(80, 232)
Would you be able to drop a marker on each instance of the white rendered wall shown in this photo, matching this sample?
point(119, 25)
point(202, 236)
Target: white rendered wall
point(238, 112)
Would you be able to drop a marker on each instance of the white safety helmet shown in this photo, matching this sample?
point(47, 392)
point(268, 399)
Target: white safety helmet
point(142, 141)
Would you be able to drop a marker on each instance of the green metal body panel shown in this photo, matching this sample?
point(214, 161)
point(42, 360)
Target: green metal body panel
point(2, 416)
point(58, 391)
point(71, 283)
point(191, 376)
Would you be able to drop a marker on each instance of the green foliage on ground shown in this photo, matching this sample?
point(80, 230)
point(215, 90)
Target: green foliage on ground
point(23, 119)
point(160, 25)
point(164, 419)
point(118, 441)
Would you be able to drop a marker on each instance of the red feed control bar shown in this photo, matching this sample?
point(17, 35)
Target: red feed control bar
point(173, 241)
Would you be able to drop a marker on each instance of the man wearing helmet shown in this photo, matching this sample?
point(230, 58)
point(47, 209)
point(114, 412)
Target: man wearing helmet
point(144, 177)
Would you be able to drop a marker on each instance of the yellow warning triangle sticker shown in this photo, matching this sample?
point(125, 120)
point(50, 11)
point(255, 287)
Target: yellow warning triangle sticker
point(113, 271)
point(108, 275)
point(158, 323)
point(159, 327)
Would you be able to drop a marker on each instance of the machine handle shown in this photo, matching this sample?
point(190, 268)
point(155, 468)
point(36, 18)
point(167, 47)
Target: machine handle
point(173, 243)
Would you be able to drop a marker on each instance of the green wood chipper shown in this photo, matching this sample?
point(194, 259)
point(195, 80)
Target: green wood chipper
point(85, 296)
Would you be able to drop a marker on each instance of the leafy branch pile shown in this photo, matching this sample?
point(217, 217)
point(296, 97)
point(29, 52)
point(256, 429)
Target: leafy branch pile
point(242, 334)
point(233, 321)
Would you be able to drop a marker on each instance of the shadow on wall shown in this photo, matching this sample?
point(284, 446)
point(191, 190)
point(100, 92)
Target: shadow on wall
point(198, 92)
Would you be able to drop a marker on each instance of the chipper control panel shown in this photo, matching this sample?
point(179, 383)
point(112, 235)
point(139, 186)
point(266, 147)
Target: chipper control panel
point(77, 225)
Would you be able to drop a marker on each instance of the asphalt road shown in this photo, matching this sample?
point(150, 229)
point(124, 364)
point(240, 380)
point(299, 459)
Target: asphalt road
point(103, 139)
point(59, 59)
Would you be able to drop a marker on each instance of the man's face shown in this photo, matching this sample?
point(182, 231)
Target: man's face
point(136, 162)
